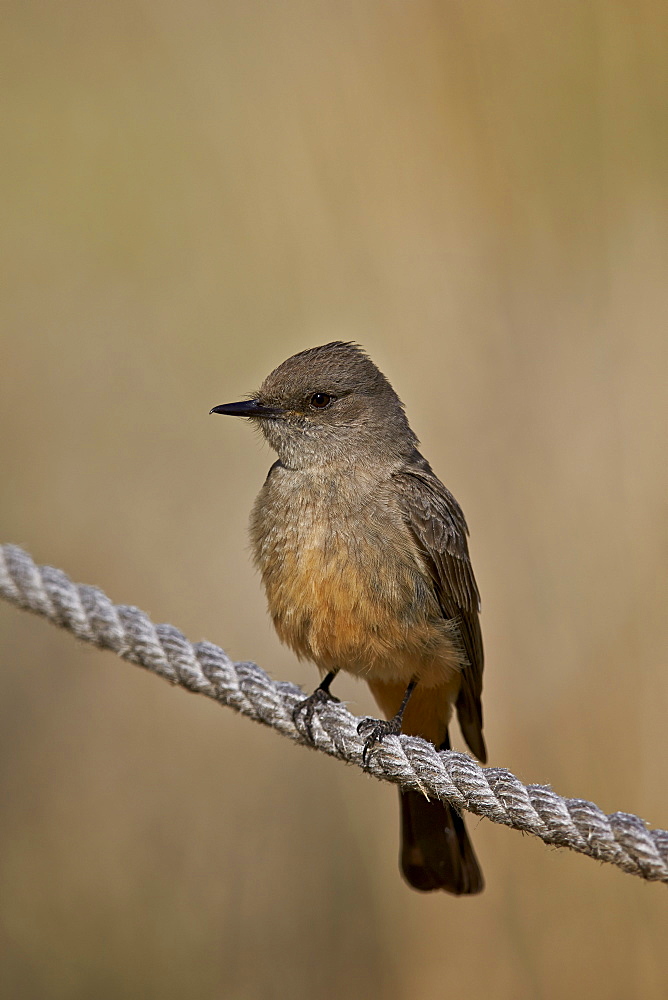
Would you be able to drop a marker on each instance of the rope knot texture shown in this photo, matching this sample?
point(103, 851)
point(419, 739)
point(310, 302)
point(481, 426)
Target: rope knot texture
point(493, 792)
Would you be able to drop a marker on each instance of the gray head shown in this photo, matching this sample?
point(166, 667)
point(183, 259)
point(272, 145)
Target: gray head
point(329, 404)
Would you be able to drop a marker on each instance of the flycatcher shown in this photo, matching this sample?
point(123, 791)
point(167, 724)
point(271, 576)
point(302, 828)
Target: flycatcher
point(364, 558)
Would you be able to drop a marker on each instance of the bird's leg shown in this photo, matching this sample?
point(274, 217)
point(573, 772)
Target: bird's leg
point(377, 729)
point(309, 705)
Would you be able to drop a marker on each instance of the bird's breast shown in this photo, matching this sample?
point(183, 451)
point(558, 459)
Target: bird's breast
point(344, 580)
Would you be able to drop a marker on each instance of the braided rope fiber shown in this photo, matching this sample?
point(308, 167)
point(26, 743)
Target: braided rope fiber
point(494, 792)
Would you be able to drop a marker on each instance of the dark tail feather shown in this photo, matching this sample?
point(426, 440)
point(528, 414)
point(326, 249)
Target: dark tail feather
point(436, 852)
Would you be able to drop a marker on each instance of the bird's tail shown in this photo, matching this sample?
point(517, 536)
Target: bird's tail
point(436, 852)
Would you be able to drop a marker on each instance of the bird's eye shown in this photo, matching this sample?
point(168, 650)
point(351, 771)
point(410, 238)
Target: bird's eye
point(320, 400)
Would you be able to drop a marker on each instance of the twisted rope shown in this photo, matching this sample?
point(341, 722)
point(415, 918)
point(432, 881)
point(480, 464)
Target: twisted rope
point(620, 838)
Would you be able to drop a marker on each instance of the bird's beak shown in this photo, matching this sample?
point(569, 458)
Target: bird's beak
point(247, 408)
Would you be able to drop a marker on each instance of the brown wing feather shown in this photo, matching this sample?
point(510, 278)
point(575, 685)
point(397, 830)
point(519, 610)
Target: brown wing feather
point(439, 527)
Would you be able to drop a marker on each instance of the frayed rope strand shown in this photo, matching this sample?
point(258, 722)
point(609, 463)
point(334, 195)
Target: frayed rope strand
point(493, 792)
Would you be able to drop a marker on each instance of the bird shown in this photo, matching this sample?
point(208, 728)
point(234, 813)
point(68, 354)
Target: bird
point(364, 558)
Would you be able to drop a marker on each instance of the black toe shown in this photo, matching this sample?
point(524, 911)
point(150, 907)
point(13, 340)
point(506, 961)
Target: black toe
point(377, 730)
point(308, 708)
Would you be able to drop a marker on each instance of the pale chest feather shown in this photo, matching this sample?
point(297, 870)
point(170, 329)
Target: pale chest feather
point(344, 581)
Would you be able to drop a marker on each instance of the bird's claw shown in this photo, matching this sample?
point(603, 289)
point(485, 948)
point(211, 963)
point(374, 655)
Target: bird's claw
point(307, 708)
point(376, 730)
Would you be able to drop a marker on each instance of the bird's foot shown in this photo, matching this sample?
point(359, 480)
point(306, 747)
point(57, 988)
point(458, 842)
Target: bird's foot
point(303, 712)
point(375, 731)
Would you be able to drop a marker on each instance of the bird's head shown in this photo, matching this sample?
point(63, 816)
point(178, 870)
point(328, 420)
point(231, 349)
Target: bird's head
point(328, 405)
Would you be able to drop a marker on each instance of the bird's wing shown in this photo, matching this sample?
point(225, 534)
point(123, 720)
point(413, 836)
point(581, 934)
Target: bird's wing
point(438, 525)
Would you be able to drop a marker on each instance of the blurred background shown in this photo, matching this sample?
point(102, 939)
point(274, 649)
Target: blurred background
point(477, 193)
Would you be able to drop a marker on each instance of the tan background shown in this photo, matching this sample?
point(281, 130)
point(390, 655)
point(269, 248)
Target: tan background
point(191, 192)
